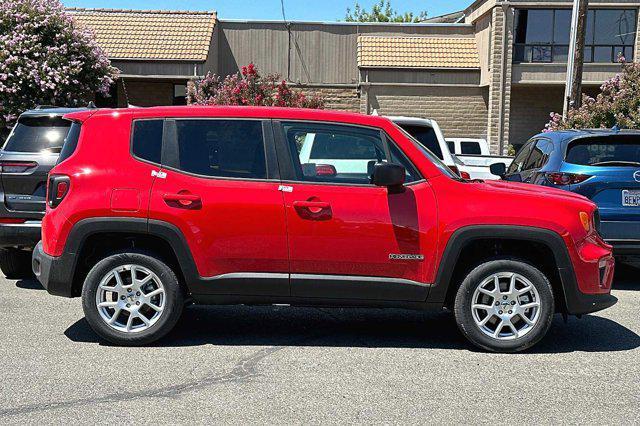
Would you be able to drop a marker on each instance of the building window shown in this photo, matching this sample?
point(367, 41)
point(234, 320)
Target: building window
point(179, 94)
point(542, 35)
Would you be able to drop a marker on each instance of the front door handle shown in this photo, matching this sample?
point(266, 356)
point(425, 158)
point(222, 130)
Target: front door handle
point(182, 199)
point(314, 210)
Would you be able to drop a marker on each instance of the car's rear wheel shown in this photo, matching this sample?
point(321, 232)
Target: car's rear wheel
point(504, 306)
point(132, 299)
point(15, 263)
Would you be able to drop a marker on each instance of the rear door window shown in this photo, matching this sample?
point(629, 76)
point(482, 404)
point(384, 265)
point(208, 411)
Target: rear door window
point(221, 148)
point(38, 134)
point(451, 146)
point(618, 150)
point(470, 148)
point(426, 136)
point(147, 140)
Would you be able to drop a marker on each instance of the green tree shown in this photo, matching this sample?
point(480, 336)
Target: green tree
point(382, 12)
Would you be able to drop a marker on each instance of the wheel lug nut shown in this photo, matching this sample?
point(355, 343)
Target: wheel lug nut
point(122, 297)
point(513, 302)
point(497, 303)
point(137, 303)
point(504, 297)
point(137, 293)
point(129, 290)
point(500, 312)
point(128, 305)
point(510, 312)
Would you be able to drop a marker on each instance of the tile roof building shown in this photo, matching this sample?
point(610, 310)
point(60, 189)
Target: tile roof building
point(150, 34)
point(494, 70)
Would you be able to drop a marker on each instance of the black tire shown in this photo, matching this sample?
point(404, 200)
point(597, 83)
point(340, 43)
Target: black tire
point(174, 299)
point(16, 264)
point(464, 312)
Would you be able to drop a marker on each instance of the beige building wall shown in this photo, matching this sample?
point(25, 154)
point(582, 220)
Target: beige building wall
point(459, 111)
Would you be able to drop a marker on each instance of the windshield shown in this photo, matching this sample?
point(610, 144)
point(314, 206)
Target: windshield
point(616, 150)
point(38, 134)
point(430, 155)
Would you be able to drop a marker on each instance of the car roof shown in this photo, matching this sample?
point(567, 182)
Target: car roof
point(573, 134)
point(198, 111)
point(51, 112)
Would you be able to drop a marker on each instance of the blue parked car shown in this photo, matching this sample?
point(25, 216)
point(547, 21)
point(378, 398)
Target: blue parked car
point(602, 165)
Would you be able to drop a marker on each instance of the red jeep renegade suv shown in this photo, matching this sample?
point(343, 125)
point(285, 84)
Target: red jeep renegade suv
point(214, 206)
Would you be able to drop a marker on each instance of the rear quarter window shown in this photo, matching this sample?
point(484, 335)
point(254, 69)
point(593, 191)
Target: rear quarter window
point(147, 140)
point(616, 150)
point(70, 142)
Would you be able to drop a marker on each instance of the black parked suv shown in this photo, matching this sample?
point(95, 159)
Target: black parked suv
point(30, 151)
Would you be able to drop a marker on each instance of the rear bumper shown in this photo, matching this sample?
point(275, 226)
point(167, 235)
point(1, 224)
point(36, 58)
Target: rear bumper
point(54, 273)
point(624, 236)
point(20, 234)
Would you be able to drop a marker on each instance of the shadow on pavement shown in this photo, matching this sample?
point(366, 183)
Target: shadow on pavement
point(29, 284)
point(626, 277)
point(273, 326)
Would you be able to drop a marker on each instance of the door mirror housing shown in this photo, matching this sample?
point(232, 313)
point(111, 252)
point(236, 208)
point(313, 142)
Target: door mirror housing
point(498, 169)
point(388, 174)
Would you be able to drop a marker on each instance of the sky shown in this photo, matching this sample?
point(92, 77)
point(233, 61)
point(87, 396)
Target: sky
point(301, 10)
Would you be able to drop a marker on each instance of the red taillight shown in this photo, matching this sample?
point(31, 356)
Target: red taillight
point(11, 221)
point(325, 170)
point(455, 170)
point(57, 189)
point(558, 178)
point(61, 189)
point(465, 175)
point(16, 166)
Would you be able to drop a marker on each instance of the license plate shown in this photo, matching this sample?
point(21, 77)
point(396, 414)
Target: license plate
point(630, 198)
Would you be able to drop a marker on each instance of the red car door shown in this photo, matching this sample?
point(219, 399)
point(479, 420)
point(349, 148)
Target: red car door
point(218, 188)
point(348, 238)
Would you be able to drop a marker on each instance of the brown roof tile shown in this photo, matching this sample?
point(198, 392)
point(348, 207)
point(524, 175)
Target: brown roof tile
point(150, 34)
point(417, 52)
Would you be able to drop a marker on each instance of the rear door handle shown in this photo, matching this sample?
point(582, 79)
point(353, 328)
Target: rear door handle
point(182, 199)
point(311, 205)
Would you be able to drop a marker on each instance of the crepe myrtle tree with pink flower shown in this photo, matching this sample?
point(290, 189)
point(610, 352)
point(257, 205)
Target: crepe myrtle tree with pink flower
point(617, 104)
point(248, 87)
point(46, 58)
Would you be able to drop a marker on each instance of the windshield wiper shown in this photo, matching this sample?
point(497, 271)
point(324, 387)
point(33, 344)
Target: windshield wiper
point(616, 163)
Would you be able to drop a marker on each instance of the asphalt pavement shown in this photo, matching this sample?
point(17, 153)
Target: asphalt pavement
point(304, 365)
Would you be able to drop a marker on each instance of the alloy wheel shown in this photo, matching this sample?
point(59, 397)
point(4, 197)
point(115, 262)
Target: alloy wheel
point(130, 298)
point(506, 306)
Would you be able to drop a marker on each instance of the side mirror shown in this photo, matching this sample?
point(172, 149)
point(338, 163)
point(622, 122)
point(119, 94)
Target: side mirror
point(388, 174)
point(498, 169)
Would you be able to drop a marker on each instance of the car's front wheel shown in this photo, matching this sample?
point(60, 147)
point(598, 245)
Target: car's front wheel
point(132, 299)
point(504, 305)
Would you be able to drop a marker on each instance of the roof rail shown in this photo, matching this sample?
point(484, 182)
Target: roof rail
point(46, 106)
point(91, 105)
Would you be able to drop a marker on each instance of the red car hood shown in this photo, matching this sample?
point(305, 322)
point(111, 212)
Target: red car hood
point(527, 188)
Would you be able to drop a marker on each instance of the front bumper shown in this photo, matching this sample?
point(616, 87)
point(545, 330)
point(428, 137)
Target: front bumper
point(54, 273)
point(20, 234)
